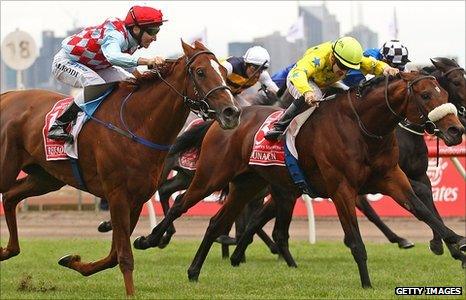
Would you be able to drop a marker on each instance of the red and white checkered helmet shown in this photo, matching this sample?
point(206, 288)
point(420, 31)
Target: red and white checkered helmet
point(143, 16)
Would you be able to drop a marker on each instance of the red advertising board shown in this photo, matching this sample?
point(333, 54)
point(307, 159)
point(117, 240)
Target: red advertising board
point(448, 189)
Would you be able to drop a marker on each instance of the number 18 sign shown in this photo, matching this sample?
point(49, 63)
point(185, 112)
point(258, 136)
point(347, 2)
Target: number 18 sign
point(19, 50)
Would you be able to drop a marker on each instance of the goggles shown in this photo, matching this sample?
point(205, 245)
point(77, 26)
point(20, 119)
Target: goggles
point(341, 66)
point(152, 31)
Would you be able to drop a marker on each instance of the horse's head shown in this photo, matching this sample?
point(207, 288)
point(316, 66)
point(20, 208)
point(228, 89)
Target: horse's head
point(428, 105)
point(453, 79)
point(206, 89)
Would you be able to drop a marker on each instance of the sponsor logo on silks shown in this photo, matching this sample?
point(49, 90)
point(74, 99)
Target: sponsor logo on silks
point(316, 61)
point(429, 290)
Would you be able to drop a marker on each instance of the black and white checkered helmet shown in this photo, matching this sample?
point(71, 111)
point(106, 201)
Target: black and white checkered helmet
point(394, 53)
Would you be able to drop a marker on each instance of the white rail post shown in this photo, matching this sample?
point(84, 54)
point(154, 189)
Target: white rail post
point(310, 219)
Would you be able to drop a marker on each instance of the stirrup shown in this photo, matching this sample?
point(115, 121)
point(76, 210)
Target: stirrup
point(58, 133)
point(273, 134)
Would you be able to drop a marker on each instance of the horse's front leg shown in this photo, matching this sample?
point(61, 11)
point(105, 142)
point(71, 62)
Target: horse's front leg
point(363, 205)
point(396, 185)
point(180, 182)
point(242, 190)
point(344, 197)
point(124, 216)
point(258, 220)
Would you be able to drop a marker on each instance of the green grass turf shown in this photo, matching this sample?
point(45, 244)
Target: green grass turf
point(325, 270)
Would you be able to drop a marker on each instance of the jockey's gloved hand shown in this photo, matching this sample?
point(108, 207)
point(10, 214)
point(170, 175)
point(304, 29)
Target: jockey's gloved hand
point(390, 71)
point(311, 99)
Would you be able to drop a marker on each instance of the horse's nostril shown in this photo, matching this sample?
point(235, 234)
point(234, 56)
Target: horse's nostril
point(455, 131)
point(230, 112)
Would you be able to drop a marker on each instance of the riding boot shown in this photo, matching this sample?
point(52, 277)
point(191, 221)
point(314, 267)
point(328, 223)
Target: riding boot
point(58, 129)
point(280, 126)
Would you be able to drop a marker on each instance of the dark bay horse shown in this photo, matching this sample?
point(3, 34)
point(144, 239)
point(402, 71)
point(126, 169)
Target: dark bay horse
point(413, 149)
point(413, 161)
point(114, 166)
point(351, 152)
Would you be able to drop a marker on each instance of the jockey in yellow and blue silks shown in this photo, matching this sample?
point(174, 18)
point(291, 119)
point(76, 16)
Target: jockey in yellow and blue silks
point(244, 72)
point(320, 67)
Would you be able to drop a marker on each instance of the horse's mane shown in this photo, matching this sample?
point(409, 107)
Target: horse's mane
point(150, 76)
point(365, 87)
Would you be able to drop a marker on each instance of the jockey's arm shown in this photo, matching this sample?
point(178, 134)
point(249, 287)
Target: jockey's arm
point(370, 65)
point(227, 66)
point(266, 80)
point(300, 74)
point(111, 49)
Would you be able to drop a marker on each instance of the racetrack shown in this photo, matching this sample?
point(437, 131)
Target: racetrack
point(63, 224)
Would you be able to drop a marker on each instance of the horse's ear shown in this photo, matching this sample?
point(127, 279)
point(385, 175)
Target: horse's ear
point(200, 45)
point(437, 62)
point(186, 48)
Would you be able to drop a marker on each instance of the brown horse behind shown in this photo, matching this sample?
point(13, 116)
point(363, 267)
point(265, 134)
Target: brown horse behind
point(347, 147)
point(113, 166)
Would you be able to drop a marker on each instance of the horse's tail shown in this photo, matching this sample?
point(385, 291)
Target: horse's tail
point(191, 138)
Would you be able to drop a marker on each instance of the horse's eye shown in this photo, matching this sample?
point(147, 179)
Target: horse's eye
point(456, 83)
point(200, 73)
point(425, 96)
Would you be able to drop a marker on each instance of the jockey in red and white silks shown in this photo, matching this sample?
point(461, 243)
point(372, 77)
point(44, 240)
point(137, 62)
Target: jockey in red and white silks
point(103, 54)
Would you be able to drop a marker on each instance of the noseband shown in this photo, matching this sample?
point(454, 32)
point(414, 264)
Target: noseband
point(199, 106)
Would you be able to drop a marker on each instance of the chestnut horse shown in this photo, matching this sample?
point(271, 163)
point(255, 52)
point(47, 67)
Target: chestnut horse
point(353, 151)
point(114, 166)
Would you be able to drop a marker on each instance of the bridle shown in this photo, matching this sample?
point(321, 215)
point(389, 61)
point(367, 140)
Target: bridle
point(428, 125)
point(198, 106)
point(461, 108)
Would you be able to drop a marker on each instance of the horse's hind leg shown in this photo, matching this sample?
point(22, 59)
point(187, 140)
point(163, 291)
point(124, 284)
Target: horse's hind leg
point(38, 182)
point(124, 219)
point(363, 205)
point(242, 189)
point(285, 202)
point(258, 221)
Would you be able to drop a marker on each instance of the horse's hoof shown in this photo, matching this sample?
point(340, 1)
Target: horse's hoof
point(274, 250)
point(367, 286)
point(140, 243)
point(463, 264)
point(226, 240)
point(234, 261)
point(164, 242)
point(193, 276)
point(405, 244)
point(104, 226)
point(68, 259)
point(462, 245)
point(436, 247)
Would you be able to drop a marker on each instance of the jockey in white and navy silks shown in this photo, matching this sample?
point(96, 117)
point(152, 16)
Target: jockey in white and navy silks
point(244, 72)
point(103, 54)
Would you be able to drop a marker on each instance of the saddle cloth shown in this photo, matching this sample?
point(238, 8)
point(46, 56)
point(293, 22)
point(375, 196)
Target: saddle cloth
point(59, 149)
point(55, 149)
point(188, 159)
point(271, 153)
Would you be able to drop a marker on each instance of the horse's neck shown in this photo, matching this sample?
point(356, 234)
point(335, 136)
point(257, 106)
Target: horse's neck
point(375, 113)
point(163, 114)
